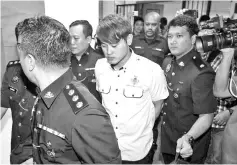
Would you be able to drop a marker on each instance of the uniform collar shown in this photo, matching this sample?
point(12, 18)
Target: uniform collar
point(50, 93)
point(183, 61)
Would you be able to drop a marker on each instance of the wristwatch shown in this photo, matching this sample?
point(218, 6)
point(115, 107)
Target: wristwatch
point(190, 139)
point(230, 110)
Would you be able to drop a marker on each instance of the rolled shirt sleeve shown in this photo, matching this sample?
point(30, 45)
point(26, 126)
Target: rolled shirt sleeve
point(93, 138)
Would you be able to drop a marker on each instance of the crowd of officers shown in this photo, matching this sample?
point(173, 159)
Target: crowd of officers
point(72, 104)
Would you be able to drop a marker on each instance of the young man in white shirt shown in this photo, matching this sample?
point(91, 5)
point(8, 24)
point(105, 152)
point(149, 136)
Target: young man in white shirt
point(132, 87)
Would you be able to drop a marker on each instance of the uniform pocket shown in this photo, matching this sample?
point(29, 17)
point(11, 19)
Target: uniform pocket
point(132, 92)
point(139, 50)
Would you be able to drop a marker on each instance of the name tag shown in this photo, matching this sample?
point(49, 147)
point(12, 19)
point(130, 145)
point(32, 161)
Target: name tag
point(138, 47)
point(158, 49)
point(12, 89)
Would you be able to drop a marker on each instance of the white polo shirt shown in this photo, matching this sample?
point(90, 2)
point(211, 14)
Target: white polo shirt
point(127, 95)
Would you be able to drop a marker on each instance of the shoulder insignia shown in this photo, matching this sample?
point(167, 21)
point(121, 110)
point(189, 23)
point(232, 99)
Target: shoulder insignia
point(167, 63)
point(199, 63)
point(13, 63)
point(75, 98)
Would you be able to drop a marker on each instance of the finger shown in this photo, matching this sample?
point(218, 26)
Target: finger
point(179, 145)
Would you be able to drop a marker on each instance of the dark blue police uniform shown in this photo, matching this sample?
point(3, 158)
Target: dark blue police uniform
point(84, 70)
point(155, 50)
point(190, 82)
point(71, 126)
point(18, 93)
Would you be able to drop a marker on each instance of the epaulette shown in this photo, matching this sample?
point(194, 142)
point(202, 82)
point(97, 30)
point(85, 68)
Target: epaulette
point(75, 98)
point(11, 63)
point(199, 63)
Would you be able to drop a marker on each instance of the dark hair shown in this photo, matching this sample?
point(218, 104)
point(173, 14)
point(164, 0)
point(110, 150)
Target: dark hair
point(184, 20)
point(137, 18)
point(113, 28)
point(204, 18)
point(46, 39)
point(163, 22)
point(87, 28)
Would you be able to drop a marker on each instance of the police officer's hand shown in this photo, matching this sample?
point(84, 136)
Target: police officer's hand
point(222, 118)
point(228, 52)
point(183, 147)
point(28, 162)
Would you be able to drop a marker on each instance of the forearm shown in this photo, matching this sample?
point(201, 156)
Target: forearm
point(201, 125)
point(220, 88)
point(158, 106)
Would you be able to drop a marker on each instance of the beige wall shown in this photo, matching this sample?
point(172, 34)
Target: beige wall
point(220, 8)
point(13, 12)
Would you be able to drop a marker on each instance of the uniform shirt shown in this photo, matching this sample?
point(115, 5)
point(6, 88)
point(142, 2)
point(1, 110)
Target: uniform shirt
point(190, 82)
point(154, 50)
point(18, 93)
point(84, 70)
point(71, 126)
point(127, 95)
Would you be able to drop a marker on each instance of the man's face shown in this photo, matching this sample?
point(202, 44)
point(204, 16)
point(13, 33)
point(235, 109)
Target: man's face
point(151, 26)
point(79, 43)
point(115, 53)
point(179, 40)
point(138, 27)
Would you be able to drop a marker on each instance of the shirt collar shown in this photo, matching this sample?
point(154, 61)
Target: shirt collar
point(183, 61)
point(50, 93)
point(128, 62)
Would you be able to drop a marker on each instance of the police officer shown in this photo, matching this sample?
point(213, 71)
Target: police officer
point(150, 44)
point(18, 93)
point(84, 56)
point(69, 124)
point(188, 111)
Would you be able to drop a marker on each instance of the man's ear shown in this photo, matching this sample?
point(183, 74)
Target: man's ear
point(193, 39)
point(89, 38)
point(31, 61)
point(129, 39)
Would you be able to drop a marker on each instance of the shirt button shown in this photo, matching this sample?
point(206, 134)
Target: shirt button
point(116, 89)
point(165, 104)
point(10, 97)
point(163, 122)
point(170, 84)
point(18, 136)
point(19, 124)
point(173, 73)
point(20, 113)
point(79, 64)
point(176, 95)
point(116, 115)
point(79, 74)
point(116, 127)
point(118, 75)
point(164, 113)
point(23, 100)
point(116, 102)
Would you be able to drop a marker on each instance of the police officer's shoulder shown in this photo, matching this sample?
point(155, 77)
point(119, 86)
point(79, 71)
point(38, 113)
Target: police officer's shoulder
point(80, 98)
point(75, 98)
point(13, 63)
point(13, 66)
point(167, 59)
point(199, 63)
